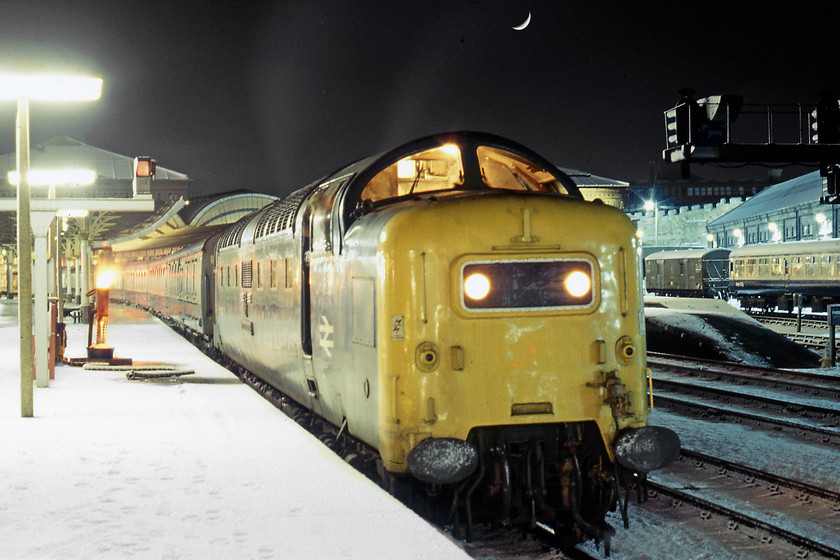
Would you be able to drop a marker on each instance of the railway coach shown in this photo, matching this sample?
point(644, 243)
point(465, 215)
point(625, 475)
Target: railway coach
point(768, 275)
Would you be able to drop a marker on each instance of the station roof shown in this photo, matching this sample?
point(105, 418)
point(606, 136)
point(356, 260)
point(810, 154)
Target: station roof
point(65, 152)
point(114, 175)
point(586, 179)
point(184, 222)
point(803, 190)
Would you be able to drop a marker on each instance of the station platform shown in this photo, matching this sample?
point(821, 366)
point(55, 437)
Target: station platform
point(196, 467)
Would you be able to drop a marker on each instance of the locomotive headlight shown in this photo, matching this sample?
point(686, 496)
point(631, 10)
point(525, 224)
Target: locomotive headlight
point(477, 286)
point(578, 283)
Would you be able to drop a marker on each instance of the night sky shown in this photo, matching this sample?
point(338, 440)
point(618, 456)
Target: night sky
point(270, 96)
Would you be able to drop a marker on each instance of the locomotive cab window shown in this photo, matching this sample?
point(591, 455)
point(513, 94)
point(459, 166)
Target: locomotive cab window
point(507, 171)
point(447, 168)
point(438, 169)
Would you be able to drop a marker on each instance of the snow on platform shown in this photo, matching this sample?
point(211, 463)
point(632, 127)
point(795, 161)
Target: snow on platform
point(201, 467)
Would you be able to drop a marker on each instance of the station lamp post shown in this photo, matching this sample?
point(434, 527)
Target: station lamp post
point(776, 235)
point(24, 88)
point(651, 205)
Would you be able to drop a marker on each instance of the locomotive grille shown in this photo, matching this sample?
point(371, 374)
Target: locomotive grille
point(234, 235)
point(288, 210)
point(247, 273)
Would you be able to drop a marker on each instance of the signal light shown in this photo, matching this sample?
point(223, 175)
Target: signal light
point(825, 121)
point(144, 166)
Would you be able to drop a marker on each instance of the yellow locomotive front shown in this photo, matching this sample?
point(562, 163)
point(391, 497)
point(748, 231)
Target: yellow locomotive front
point(511, 338)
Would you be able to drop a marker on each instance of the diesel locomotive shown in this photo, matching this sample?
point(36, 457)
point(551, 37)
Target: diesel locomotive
point(457, 306)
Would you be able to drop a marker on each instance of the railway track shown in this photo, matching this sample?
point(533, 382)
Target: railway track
point(805, 405)
point(755, 533)
point(813, 341)
point(812, 417)
point(745, 508)
point(813, 322)
point(813, 383)
point(763, 502)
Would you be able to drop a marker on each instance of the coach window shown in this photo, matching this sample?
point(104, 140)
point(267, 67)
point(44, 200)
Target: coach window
point(827, 266)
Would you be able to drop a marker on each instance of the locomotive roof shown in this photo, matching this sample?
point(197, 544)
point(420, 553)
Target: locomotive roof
point(366, 168)
point(798, 247)
point(686, 254)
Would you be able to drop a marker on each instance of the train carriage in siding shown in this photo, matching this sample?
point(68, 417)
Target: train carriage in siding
point(457, 305)
point(768, 275)
point(688, 273)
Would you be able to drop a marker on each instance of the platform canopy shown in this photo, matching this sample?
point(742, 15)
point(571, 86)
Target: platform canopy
point(113, 180)
point(183, 222)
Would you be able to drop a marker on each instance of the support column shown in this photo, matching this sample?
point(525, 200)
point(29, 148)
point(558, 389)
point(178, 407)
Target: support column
point(24, 251)
point(68, 260)
point(85, 275)
point(40, 279)
point(77, 298)
point(7, 276)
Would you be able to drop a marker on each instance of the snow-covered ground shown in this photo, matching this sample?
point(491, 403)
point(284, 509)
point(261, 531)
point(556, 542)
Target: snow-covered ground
point(200, 468)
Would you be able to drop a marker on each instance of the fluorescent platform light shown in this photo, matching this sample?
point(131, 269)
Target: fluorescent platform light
point(46, 177)
point(49, 87)
point(72, 213)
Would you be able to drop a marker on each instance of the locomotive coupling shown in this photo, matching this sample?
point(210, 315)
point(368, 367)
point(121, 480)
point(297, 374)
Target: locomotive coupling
point(442, 460)
point(646, 449)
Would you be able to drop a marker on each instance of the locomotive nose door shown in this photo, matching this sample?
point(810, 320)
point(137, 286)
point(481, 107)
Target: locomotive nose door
point(321, 298)
point(306, 309)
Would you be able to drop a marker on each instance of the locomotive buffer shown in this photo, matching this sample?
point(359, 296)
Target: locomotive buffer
point(701, 131)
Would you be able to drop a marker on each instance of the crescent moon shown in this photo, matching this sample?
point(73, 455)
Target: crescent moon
point(524, 24)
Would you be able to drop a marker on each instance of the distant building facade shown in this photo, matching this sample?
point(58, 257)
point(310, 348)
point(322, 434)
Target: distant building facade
point(682, 227)
point(609, 191)
point(788, 211)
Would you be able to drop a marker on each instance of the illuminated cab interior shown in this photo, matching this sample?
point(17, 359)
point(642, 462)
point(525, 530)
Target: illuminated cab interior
point(442, 169)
